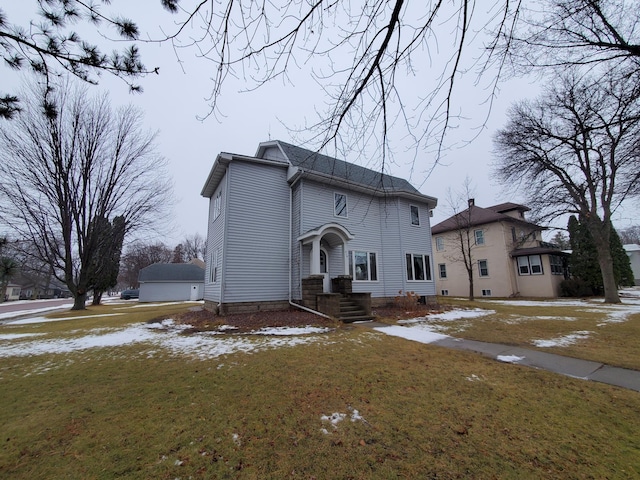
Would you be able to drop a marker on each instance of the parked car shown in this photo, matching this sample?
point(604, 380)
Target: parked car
point(130, 293)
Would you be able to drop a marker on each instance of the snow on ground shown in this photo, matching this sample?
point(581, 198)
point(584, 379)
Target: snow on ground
point(563, 341)
point(166, 335)
point(31, 320)
point(509, 358)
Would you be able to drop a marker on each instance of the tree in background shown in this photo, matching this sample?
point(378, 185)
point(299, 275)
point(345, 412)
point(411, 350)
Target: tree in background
point(105, 263)
point(75, 159)
point(561, 240)
point(8, 268)
point(194, 246)
point(178, 254)
point(140, 255)
point(630, 235)
point(621, 261)
point(583, 262)
point(575, 150)
point(462, 224)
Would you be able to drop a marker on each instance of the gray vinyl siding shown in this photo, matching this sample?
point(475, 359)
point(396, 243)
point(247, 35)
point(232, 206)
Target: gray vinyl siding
point(362, 219)
point(380, 225)
point(215, 243)
point(256, 253)
point(296, 266)
point(416, 239)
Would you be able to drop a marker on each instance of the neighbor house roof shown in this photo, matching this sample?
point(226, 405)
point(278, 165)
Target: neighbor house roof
point(171, 272)
point(476, 216)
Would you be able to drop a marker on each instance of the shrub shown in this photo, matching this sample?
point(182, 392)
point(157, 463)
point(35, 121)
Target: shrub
point(575, 287)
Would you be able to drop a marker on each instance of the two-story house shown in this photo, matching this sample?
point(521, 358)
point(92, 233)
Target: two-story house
point(289, 226)
point(506, 252)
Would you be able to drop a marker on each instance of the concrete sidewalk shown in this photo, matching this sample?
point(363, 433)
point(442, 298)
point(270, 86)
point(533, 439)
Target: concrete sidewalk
point(572, 367)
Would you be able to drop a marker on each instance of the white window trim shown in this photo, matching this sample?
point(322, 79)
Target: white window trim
point(530, 266)
point(439, 244)
point(346, 205)
point(486, 292)
point(217, 205)
point(475, 237)
point(427, 267)
point(411, 207)
point(352, 265)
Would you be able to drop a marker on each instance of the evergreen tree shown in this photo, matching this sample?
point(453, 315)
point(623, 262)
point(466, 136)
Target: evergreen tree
point(105, 264)
point(621, 263)
point(583, 262)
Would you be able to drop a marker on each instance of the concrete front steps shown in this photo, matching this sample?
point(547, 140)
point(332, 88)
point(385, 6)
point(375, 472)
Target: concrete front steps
point(351, 312)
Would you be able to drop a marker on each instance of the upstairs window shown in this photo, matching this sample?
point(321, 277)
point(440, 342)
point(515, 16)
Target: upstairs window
point(479, 236)
point(439, 244)
point(217, 205)
point(340, 205)
point(415, 215)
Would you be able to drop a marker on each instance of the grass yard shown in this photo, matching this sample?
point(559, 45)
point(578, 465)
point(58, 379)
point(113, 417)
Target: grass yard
point(107, 397)
point(583, 329)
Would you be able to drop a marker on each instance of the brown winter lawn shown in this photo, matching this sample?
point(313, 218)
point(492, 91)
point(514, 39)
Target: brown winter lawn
point(109, 397)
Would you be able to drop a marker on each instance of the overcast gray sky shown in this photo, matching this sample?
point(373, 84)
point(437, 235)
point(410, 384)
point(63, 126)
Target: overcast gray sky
point(173, 100)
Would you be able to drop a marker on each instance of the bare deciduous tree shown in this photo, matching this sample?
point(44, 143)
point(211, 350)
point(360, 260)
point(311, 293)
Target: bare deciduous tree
point(576, 150)
point(194, 246)
point(461, 231)
point(139, 255)
point(74, 159)
point(561, 33)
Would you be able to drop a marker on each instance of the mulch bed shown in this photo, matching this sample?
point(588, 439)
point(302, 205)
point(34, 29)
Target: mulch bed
point(203, 320)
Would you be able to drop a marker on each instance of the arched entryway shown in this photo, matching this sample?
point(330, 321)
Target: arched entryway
point(328, 242)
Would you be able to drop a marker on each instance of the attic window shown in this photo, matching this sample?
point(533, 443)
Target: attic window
point(340, 205)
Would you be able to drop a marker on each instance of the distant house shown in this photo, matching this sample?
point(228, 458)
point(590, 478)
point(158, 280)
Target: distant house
point(164, 282)
point(633, 250)
point(508, 255)
point(291, 226)
point(12, 292)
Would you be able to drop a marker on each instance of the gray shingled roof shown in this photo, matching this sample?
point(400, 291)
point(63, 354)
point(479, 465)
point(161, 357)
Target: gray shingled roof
point(474, 216)
point(171, 272)
point(323, 164)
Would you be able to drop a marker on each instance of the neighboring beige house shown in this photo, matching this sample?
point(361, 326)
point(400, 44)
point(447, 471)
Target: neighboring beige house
point(633, 250)
point(507, 252)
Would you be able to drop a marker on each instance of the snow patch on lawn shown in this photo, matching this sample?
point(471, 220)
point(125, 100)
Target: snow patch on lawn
point(335, 418)
point(451, 315)
point(563, 341)
point(166, 335)
point(509, 358)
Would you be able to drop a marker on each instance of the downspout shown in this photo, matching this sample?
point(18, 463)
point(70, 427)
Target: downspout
point(291, 302)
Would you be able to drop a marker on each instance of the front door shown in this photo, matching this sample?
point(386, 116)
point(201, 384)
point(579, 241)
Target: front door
point(324, 270)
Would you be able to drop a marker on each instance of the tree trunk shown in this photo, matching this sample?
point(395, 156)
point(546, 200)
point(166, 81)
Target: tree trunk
point(471, 297)
point(79, 301)
point(97, 297)
point(600, 234)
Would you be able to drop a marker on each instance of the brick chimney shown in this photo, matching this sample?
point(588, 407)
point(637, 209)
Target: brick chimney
point(472, 202)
